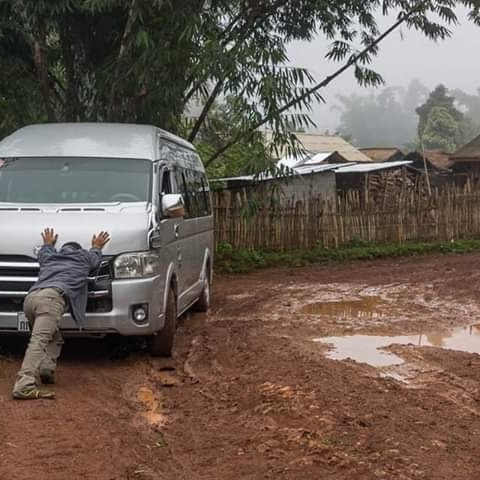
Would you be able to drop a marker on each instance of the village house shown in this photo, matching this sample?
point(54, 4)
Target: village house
point(296, 178)
point(329, 165)
point(466, 160)
point(433, 161)
point(320, 143)
point(435, 164)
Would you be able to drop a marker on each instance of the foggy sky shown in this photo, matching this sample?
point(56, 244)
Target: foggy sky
point(453, 62)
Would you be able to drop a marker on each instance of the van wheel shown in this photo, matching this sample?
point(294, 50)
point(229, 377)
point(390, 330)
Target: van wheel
point(161, 345)
point(203, 302)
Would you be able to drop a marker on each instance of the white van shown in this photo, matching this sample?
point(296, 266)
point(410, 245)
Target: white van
point(145, 186)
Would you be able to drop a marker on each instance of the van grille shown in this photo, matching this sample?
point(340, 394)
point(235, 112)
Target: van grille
point(18, 273)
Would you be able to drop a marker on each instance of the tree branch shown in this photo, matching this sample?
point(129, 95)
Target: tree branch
point(59, 86)
point(121, 54)
point(73, 108)
point(199, 82)
point(40, 60)
point(205, 110)
point(295, 101)
point(249, 26)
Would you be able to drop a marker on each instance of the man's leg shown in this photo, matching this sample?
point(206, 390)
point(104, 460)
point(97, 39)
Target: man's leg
point(46, 307)
point(49, 364)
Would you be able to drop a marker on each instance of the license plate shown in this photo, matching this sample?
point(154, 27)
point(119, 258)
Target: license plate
point(22, 323)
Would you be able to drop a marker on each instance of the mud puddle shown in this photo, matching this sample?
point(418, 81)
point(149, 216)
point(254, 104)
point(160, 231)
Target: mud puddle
point(370, 307)
point(370, 349)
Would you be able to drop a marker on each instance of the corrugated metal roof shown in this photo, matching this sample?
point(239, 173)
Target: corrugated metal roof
point(312, 169)
point(372, 167)
point(317, 158)
point(302, 170)
point(305, 159)
point(306, 169)
point(290, 161)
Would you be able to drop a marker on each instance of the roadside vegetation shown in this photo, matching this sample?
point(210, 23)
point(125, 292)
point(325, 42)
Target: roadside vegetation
point(240, 260)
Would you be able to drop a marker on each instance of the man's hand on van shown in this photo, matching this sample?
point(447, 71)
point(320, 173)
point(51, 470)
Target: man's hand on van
point(100, 240)
point(49, 237)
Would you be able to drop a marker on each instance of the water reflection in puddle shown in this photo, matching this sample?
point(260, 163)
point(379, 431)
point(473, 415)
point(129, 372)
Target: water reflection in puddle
point(367, 307)
point(368, 348)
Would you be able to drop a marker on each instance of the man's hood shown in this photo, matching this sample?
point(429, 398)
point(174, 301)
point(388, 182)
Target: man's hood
point(21, 227)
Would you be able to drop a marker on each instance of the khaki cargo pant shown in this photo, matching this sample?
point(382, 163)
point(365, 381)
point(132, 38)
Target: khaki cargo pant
point(44, 309)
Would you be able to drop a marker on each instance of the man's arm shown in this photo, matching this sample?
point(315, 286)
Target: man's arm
point(48, 248)
point(95, 253)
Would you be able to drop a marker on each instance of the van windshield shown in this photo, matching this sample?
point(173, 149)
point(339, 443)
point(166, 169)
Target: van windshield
point(74, 180)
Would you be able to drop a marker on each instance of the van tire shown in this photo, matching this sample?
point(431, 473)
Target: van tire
point(203, 302)
point(161, 344)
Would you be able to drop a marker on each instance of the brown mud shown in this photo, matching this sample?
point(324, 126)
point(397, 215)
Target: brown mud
point(251, 392)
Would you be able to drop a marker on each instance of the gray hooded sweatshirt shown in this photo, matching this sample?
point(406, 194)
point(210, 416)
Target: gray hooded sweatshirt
point(68, 270)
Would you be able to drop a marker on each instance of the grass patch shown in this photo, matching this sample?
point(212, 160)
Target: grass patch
point(238, 260)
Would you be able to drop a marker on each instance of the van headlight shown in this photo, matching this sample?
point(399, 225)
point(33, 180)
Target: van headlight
point(136, 265)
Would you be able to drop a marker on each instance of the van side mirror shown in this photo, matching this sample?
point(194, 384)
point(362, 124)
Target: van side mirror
point(173, 206)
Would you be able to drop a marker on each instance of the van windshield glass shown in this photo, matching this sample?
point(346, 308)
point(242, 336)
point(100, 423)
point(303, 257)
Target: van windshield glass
point(74, 180)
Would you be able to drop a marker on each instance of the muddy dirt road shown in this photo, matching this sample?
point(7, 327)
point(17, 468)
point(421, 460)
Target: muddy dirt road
point(252, 392)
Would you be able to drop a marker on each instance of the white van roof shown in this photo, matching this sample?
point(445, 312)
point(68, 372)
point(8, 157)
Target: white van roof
point(113, 140)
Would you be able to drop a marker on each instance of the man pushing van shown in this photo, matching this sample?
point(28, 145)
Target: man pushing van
point(62, 285)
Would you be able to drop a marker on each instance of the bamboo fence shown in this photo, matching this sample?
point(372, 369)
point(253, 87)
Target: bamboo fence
point(450, 213)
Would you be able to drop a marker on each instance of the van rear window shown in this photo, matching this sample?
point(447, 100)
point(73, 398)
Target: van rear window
point(75, 180)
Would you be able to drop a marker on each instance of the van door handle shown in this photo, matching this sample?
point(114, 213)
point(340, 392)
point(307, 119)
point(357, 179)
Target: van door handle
point(176, 228)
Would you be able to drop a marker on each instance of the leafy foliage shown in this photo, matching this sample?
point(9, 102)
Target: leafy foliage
point(437, 98)
point(441, 130)
point(249, 156)
point(441, 124)
point(151, 61)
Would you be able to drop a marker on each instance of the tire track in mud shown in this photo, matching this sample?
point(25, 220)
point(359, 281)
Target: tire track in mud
point(99, 427)
point(249, 396)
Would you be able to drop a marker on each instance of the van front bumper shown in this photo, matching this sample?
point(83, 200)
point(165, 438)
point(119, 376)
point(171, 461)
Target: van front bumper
point(125, 294)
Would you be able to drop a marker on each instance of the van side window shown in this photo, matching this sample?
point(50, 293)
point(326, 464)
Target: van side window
point(199, 194)
point(187, 197)
point(191, 183)
point(182, 188)
point(166, 186)
point(193, 186)
point(206, 195)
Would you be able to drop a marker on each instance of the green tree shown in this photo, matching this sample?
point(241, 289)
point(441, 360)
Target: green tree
point(441, 130)
point(438, 112)
point(248, 156)
point(150, 61)
point(437, 98)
